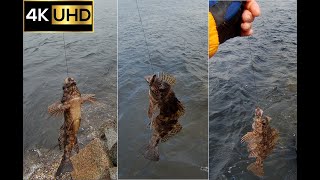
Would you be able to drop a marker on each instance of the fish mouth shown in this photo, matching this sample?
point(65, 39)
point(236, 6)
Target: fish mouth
point(258, 112)
point(69, 81)
point(149, 78)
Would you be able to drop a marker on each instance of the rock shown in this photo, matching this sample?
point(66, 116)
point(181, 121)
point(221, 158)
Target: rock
point(110, 136)
point(113, 173)
point(41, 167)
point(92, 162)
point(109, 133)
point(66, 176)
point(109, 123)
point(113, 154)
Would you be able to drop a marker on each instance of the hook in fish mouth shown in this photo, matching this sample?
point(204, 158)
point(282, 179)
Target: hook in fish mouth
point(258, 112)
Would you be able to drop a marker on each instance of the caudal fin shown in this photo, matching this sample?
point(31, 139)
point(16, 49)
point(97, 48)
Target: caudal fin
point(256, 169)
point(65, 166)
point(151, 152)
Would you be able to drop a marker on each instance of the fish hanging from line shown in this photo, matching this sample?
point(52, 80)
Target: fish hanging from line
point(164, 111)
point(261, 141)
point(70, 107)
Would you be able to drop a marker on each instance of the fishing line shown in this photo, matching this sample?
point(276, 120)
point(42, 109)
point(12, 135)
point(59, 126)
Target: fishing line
point(253, 73)
point(65, 54)
point(145, 39)
point(257, 98)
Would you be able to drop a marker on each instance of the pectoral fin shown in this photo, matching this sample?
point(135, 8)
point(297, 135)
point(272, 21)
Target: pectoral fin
point(88, 98)
point(57, 108)
point(247, 137)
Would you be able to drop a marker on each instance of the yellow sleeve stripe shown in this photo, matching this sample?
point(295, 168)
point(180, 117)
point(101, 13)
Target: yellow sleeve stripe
point(213, 38)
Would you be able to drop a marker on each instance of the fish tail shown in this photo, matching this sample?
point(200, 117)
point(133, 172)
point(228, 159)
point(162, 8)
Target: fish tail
point(76, 146)
point(65, 166)
point(256, 168)
point(152, 153)
point(151, 150)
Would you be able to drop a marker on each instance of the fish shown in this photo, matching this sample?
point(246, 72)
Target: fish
point(164, 111)
point(260, 142)
point(70, 106)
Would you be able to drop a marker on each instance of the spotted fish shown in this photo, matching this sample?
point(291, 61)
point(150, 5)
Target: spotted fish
point(164, 111)
point(261, 141)
point(70, 107)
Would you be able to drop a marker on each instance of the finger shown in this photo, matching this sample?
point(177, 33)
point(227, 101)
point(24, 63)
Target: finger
point(253, 7)
point(247, 16)
point(247, 33)
point(246, 26)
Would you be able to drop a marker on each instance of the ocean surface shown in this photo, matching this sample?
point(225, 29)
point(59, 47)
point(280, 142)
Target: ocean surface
point(92, 62)
point(246, 72)
point(176, 34)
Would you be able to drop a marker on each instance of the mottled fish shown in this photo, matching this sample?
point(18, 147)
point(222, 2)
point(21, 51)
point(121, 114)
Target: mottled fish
point(164, 111)
point(70, 107)
point(261, 141)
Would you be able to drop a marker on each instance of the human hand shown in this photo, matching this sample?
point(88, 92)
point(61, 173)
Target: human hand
point(251, 11)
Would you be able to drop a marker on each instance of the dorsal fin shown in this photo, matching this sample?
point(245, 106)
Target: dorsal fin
point(167, 78)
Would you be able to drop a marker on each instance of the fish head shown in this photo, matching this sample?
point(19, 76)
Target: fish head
point(153, 90)
point(70, 89)
point(260, 121)
point(157, 87)
point(262, 124)
point(68, 82)
point(154, 86)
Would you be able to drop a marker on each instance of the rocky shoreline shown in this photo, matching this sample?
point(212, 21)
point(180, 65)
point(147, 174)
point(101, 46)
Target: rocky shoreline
point(97, 160)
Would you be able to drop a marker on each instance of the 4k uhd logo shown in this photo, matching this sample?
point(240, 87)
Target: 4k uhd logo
point(58, 15)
